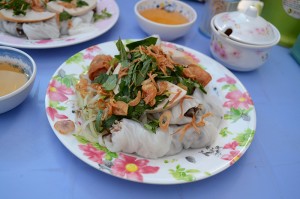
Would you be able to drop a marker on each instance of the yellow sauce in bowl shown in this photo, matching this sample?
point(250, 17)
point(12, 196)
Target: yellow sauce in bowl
point(164, 17)
point(11, 78)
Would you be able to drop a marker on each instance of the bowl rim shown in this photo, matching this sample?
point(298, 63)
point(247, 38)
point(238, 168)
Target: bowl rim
point(137, 13)
point(31, 78)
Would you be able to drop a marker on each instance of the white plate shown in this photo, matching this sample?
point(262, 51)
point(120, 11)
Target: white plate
point(234, 137)
point(102, 26)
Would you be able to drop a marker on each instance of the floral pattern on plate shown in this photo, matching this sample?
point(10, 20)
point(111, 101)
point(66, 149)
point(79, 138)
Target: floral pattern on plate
point(102, 26)
point(234, 137)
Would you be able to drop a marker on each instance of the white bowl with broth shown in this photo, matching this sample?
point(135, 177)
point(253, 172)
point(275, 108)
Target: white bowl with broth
point(17, 75)
point(170, 19)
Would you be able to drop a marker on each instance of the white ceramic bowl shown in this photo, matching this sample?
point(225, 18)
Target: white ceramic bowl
point(247, 44)
point(166, 32)
point(20, 58)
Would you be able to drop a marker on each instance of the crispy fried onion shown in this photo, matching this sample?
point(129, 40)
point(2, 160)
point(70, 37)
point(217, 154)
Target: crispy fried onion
point(136, 100)
point(198, 74)
point(100, 64)
point(193, 124)
point(119, 107)
point(181, 104)
point(162, 87)
point(123, 72)
point(71, 4)
point(176, 96)
point(37, 5)
point(149, 93)
point(163, 60)
point(82, 86)
point(100, 90)
point(164, 120)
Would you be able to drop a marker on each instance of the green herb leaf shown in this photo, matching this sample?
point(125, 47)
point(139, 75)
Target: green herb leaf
point(81, 3)
point(107, 124)
point(104, 14)
point(122, 50)
point(98, 123)
point(111, 82)
point(145, 42)
point(19, 7)
point(152, 125)
point(64, 15)
point(142, 74)
point(135, 112)
point(101, 79)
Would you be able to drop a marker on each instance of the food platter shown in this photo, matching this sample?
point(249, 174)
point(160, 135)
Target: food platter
point(101, 27)
point(235, 133)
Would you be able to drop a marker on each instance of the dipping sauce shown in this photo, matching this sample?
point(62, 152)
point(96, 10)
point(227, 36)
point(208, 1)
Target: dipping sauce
point(11, 78)
point(164, 17)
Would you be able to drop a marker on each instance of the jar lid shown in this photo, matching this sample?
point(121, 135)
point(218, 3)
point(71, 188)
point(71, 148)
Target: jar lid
point(247, 27)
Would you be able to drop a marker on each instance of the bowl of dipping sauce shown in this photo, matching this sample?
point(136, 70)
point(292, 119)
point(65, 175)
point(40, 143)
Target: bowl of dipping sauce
point(17, 75)
point(170, 19)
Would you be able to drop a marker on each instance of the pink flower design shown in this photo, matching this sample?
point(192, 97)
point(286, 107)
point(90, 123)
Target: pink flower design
point(236, 54)
point(132, 168)
point(227, 79)
point(262, 31)
point(93, 49)
point(70, 39)
point(191, 56)
point(90, 51)
point(231, 145)
point(88, 56)
point(233, 156)
point(93, 153)
point(58, 91)
point(54, 114)
point(44, 41)
point(226, 18)
point(222, 53)
point(218, 48)
point(237, 99)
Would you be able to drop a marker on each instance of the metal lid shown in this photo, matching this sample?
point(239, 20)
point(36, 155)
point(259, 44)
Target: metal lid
point(246, 27)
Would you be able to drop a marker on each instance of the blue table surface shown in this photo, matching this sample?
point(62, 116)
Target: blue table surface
point(35, 164)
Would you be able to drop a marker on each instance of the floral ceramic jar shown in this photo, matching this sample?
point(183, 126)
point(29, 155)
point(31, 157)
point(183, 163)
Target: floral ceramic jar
point(242, 40)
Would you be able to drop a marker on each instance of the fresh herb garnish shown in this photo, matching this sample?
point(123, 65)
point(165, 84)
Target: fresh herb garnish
point(135, 112)
point(81, 3)
point(104, 14)
point(145, 42)
point(108, 82)
point(101, 79)
point(140, 65)
point(107, 124)
point(19, 7)
point(111, 82)
point(64, 15)
point(152, 125)
point(98, 123)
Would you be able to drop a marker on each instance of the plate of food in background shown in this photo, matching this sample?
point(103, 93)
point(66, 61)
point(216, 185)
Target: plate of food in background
point(150, 111)
point(37, 24)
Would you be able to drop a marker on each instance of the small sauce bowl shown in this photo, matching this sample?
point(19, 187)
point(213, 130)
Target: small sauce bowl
point(167, 32)
point(26, 64)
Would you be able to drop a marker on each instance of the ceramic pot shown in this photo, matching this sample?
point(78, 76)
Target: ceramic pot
point(242, 40)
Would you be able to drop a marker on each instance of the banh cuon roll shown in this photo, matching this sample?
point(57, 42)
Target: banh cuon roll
point(49, 19)
point(148, 100)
